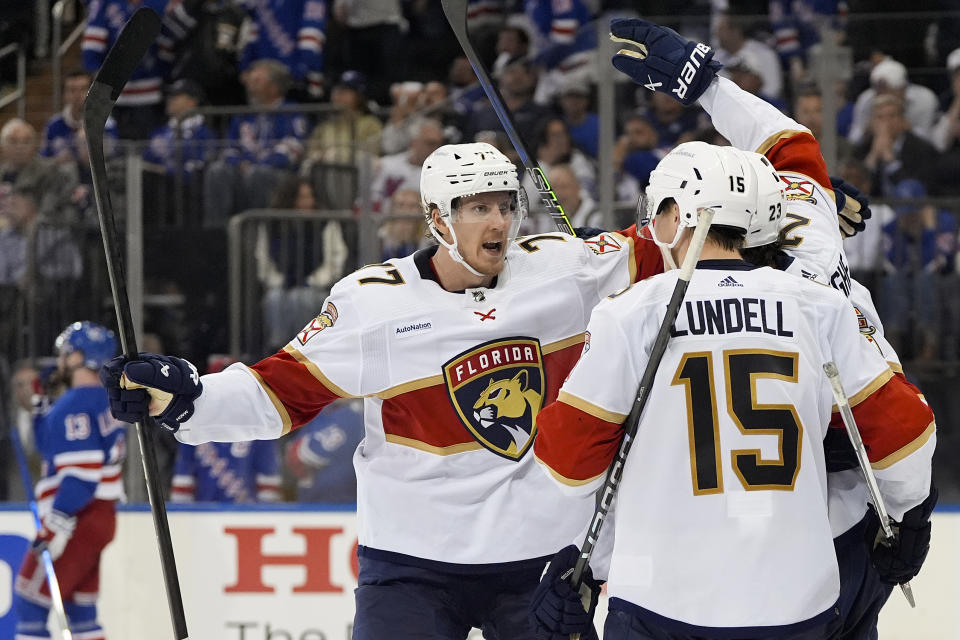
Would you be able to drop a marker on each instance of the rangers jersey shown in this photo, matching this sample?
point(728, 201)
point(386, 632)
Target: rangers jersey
point(82, 449)
point(722, 510)
point(452, 384)
point(234, 472)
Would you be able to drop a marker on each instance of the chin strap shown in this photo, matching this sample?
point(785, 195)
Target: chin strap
point(452, 249)
point(666, 248)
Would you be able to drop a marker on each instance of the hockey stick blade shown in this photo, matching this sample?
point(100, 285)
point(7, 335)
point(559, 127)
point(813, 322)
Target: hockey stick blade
point(456, 14)
point(135, 38)
point(612, 482)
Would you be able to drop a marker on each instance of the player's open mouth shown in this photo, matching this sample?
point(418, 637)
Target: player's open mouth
point(493, 247)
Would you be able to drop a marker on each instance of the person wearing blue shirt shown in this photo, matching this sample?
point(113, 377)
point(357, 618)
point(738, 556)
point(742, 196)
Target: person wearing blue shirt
point(321, 456)
point(60, 133)
point(82, 449)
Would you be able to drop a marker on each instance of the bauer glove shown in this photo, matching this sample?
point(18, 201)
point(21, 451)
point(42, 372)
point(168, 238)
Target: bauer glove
point(55, 533)
point(556, 610)
point(161, 386)
point(663, 60)
point(899, 560)
point(853, 208)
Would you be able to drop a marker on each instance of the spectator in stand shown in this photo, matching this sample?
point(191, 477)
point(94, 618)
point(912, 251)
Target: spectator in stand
point(209, 46)
point(889, 77)
point(671, 120)
point(577, 202)
point(403, 232)
point(892, 152)
point(921, 248)
point(555, 147)
point(139, 109)
point(865, 251)
point(566, 41)
point(262, 147)
point(466, 94)
point(946, 133)
point(407, 100)
point(184, 143)
point(513, 42)
point(291, 32)
point(636, 152)
point(731, 38)
point(808, 111)
point(297, 263)
point(486, 21)
point(402, 170)
point(350, 129)
point(320, 454)
point(373, 42)
point(583, 124)
point(745, 69)
point(796, 27)
point(230, 472)
point(59, 135)
point(49, 184)
point(517, 83)
point(438, 104)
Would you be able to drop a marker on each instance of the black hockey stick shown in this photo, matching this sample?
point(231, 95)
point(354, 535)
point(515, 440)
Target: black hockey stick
point(131, 45)
point(612, 482)
point(456, 13)
point(45, 558)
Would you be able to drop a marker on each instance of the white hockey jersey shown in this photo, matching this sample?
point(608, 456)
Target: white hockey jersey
point(452, 383)
point(809, 234)
point(722, 510)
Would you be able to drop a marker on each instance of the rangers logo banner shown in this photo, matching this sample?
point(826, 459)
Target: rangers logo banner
point(497, 390)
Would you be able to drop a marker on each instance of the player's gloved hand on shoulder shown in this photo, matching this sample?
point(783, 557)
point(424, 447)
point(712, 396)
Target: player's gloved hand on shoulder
point(55, 533)
point(853, 207)
point(900, 560)
point(161, 386)
point(587, 232)
point(663, 60)
point(556, 610)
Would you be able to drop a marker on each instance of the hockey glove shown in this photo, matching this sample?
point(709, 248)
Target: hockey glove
point(54, 534)
point(853, 208)
point(161, 386)
point(556, 610)
point(587, 232)
point(900, 559)
point(666, 61)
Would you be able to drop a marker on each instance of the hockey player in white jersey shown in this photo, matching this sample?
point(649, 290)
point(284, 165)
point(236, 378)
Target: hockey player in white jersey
point(454, 349)
point(722, 528)
point(813, 248)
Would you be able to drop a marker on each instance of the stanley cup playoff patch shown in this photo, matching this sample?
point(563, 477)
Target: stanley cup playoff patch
point(497, 390)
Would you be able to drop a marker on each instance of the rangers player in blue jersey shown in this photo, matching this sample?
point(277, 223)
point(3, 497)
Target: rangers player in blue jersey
point(233, 472)
point(82, 448)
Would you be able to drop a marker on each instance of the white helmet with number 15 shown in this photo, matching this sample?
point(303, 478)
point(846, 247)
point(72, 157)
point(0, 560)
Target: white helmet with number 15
point(696, 176)
point(457, 170)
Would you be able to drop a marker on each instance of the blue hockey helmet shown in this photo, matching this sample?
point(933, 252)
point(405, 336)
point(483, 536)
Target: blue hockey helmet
point(96, 342)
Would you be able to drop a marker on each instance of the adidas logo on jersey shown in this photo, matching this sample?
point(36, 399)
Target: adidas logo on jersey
point(729, 282)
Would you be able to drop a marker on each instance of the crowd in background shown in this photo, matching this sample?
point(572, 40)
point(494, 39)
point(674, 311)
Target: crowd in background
point(346, 93)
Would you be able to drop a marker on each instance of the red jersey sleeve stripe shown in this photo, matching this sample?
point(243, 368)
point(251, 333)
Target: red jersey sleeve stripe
point(646, 260)
point(797, 151)
point(296, 386)
point(575, 445)
point(893, 422)
point(870, 388)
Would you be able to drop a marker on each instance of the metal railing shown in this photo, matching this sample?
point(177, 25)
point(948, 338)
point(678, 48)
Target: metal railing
point(19, 94)
point(61, 47)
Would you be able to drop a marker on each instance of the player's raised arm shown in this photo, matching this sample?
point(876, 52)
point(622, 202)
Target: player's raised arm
point(258, 402)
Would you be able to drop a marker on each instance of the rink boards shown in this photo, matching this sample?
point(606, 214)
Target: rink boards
point(288, 573)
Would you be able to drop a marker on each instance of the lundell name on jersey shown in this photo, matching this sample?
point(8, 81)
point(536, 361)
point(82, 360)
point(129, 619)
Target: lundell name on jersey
point(731, 315)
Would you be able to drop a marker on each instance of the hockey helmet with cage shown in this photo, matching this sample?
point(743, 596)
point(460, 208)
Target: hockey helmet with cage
point(457, 170)
point(771, 201)
point(97, 343)
point(696, 176)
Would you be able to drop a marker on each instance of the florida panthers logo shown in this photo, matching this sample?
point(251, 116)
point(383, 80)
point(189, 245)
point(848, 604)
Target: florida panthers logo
point(497, 390)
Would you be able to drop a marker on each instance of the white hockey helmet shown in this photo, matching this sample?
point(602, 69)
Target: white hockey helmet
point(457, 170)
point(771, 202)
point(697, 175)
